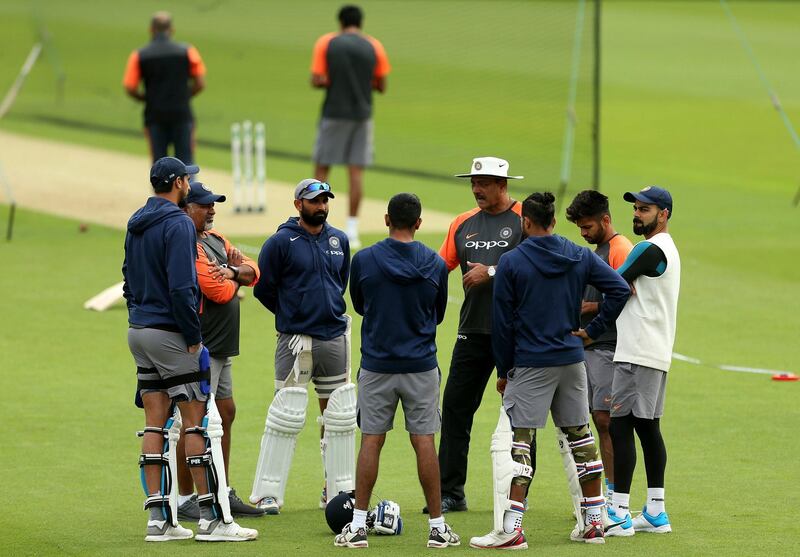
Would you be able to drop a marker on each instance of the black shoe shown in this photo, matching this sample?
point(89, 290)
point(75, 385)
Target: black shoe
point(240, 509)
point(190, 510)
point(450, 504)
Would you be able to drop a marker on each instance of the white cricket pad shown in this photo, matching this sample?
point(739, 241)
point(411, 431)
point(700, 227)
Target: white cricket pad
point(173, 435)
point(214, 434)
point(571, 470)
point(285, 419)
point(504, 468)
point(339, 441)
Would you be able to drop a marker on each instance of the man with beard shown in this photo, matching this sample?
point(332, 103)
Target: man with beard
point(304, 270)
point(221, 270)
point(589, 211)
point(165, 340)
point(475, 242)
point(646, 334)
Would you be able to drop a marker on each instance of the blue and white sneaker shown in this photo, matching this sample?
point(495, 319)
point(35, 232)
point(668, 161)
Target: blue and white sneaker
point(654, 524)
point(621, 526)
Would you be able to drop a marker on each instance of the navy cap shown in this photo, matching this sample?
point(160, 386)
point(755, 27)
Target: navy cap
point(202, 195)
point(311, 188)
point(652, 195)
point(166, 169)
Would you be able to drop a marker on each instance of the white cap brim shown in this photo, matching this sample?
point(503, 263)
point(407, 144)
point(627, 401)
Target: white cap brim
point(485, 174)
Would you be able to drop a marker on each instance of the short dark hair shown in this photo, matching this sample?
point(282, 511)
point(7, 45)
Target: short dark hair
point(351, 15)
point(588, 203)
point(165, 187)
point(404, 210)
point(540, 208)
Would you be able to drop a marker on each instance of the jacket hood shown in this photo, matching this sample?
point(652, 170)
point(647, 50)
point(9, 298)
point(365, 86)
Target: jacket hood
point(404, 263)
point(155, 211)
point(552, 255)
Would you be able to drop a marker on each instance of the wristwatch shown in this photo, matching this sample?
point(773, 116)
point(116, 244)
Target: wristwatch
point(235, 271)
point(491, 271)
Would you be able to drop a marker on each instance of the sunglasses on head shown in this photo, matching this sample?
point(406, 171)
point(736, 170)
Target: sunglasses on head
point(317, 186)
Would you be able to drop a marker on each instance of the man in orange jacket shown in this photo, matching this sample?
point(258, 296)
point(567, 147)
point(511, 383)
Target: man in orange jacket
point(221, 270)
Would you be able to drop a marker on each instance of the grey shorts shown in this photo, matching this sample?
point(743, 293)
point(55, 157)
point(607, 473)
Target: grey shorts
point(221, 379)
point(341, 141)
point(600, 372)
point(532, 392)
point(165, 351)
point(378, 394)
point(330, 363)
point(639, 390)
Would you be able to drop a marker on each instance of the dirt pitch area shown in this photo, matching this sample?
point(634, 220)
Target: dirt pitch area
point(105, 187)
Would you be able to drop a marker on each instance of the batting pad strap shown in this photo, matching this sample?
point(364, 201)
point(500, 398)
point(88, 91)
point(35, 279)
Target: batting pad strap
point(160, 501)
point(149, 429)
point(169, 382)
point(588, 468)
point(592, 502)
point(324, 386)
point(207, 500)
point(199, 460)
point(588, 440)
point(153, 459)
point(195, 431)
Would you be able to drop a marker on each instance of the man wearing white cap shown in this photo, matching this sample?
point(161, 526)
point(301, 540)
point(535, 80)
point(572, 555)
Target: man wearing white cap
point(475, 242)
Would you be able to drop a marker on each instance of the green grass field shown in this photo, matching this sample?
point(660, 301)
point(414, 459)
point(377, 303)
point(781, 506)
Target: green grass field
point(682, 107)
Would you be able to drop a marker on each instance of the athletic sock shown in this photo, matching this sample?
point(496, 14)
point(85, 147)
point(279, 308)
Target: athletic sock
point(512, 519)
point(183, 498)
point(359, 519)
point(655, 501)
point(620, 503)
point(352, 227)
point(437, 523)
point(593, 506)
point(156, 513)
point(609, 489)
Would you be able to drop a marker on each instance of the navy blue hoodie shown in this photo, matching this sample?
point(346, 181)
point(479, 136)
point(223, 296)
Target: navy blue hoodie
point(401, 290)
point(159, 269)
point(537, 302)
point(304, 278)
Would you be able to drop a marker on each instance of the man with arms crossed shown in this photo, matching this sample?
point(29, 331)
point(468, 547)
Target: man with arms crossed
point(646, 330)
point(539, 355)
point(589, 211)
point(221, 270)
point(475, 242)
point(304, 269)
point(165, 340)
point(400, 287)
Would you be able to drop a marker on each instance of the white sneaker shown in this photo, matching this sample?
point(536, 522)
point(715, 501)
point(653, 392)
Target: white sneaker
point(443, 538)
point(589, 533)
point(162, 531)
point(350, 538)
point(646, 522)
point(269, 505)
point(497, 539)
point(218, 531)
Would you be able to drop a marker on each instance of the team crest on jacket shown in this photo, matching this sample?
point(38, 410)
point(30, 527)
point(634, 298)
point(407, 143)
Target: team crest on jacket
point(505, 233)
point(334, 242)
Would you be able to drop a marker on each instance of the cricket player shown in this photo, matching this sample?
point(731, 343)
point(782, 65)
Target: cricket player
point(590, 213)
point(536, 318)
point(646, 334)
point(400, 287)
point(165, 340)
point(304, 270)
point(221, 270)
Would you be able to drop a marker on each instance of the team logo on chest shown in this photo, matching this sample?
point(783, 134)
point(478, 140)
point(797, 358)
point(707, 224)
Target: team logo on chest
point(334, 242)
point(505, 233)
